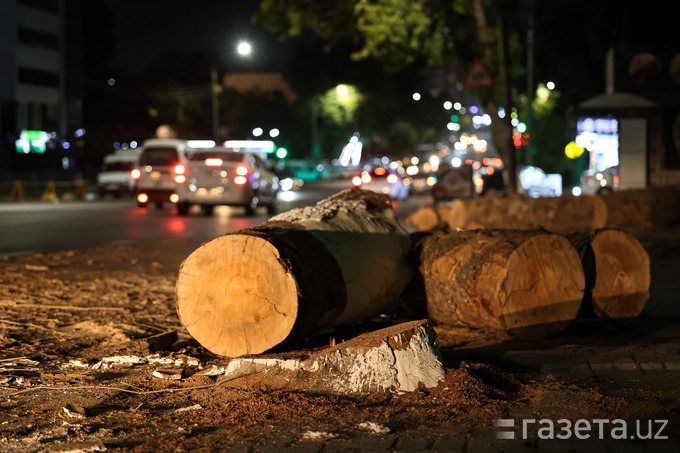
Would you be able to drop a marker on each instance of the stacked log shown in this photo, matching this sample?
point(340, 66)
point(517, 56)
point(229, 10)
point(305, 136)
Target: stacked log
point(566, 214)
point(616, 268)
point(343, 260)
point(529, 283)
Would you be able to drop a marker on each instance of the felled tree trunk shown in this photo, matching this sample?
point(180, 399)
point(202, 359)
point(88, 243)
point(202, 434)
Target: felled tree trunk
point(528, 283)
point(340, 261)
point(429, 218)
point(617, 273)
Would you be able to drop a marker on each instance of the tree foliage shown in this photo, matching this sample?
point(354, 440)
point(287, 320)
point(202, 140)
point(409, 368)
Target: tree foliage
point(396, 32)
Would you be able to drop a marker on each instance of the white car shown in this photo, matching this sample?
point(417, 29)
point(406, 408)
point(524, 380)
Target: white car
point(115, 176)
point(226, 176)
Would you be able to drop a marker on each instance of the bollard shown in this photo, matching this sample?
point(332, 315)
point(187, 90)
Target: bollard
point(50, 193)
point(17, 193)
point(80, 191)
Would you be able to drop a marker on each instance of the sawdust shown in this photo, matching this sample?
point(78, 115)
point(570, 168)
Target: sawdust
point(112, 297)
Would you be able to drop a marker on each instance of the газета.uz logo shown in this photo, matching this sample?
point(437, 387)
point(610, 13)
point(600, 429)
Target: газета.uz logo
point(599, 428)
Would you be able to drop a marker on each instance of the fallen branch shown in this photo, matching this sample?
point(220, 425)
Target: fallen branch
point(67, 307)
point(28, 324)
point(120, 389)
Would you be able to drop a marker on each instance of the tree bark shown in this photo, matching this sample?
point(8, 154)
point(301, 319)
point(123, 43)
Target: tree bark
point(341, 261)
point(616, 268)
point(528, 283)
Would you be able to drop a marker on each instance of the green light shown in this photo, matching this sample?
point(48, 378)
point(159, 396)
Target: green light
point(281, 153)
point(521, 127)
point(35, 135)
point(454, 118)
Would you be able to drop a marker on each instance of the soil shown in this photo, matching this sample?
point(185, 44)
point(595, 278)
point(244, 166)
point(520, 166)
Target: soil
point(63, 314)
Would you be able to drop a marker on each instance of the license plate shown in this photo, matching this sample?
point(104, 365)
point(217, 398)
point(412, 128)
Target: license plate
point(155, 175)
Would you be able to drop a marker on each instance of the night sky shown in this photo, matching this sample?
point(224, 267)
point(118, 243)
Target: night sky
point(145, 31)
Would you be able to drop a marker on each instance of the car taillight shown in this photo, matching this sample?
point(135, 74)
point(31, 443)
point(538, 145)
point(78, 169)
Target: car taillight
point(174, 198)
point(241, 170)
point(240, 180)
point(136, 174)
point(392, 178)
point(180, 179)
point(616, 180)
point(214, 162)
point(356, 181)
point(365, 178)
point(179, 169)
point(142, 198)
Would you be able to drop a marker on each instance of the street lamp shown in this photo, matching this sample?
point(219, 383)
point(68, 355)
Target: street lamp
point(244, 49)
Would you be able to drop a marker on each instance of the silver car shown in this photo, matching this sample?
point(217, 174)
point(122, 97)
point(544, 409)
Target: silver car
point(226, 176)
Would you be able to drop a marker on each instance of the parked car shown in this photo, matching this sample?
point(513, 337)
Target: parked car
point(384, 181)
point(224, 176)
point(115, 177)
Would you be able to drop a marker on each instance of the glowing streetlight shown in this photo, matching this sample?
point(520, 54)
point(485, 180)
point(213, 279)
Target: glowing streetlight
point(244, 48)
point(416, 96)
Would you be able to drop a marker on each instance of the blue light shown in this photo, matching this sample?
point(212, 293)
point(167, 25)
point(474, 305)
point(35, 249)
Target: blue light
point(66, 145)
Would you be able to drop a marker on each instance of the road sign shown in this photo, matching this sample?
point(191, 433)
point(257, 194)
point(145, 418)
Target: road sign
point(478, 77)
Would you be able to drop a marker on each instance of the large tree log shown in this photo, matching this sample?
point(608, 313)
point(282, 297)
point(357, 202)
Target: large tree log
point(529, 283)
point(343, 260)
point(616, 268)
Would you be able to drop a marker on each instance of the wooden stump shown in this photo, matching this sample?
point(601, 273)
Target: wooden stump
point(528, 283)
point(617, 273)
point(341, 261)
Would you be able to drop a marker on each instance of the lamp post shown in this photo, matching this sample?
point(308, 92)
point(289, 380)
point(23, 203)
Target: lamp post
point(243, 49)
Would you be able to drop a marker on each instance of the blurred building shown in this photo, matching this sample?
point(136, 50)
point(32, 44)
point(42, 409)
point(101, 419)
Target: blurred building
point(260, 84)
point(32, 76)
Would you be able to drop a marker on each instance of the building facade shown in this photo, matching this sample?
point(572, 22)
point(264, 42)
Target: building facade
point(32, 73)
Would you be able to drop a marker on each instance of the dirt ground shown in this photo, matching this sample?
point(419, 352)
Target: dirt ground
point(66, 316)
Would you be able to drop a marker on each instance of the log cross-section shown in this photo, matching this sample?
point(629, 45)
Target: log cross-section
point(341, 261)
point(617, 273)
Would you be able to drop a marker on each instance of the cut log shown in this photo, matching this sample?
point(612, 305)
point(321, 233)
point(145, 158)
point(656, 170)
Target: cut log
point(617, 272)
point(529, 283)
point(428, 218)
point(343, 260)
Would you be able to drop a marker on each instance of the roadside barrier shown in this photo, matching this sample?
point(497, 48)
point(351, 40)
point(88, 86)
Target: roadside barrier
point(17, 192)
point(47, 191)
point(50, 193)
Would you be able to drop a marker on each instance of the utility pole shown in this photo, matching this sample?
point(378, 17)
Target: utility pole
point(213, 98)
point(529, 151)
point(509, 158)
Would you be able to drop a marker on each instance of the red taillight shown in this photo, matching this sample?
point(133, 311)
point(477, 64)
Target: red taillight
point(365, 178)
point(392, 179)
point(240, 180)
point(241, 170)
point(214, 162)
point(174, 198)
point(380, 171)
point(180, 179)
point(616, 180)
point(356, 181)
point(136, 174)
point(142, 198)
point(179, 169)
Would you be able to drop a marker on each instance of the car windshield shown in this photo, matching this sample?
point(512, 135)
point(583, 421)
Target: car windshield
point(118, 166)
point(159, 156)
point(226, 156)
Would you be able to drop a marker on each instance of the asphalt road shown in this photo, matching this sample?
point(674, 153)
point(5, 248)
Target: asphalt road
point(35, 227)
